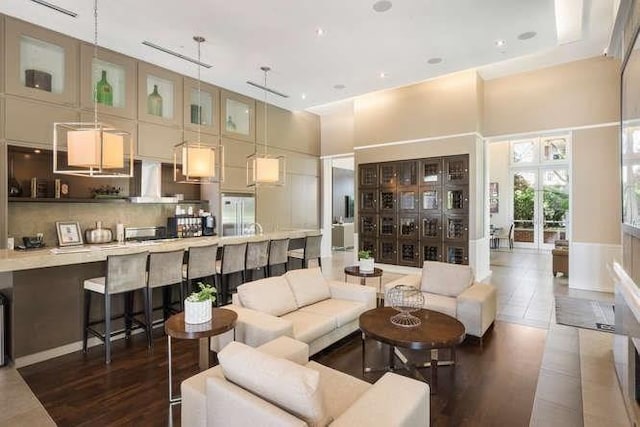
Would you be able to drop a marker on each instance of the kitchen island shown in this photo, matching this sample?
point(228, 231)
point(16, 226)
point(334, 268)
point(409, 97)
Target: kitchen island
point(45, 289)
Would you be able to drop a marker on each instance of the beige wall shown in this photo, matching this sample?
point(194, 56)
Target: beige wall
point(444, 106)
point(337, 130)
point(579, 93)
point(499, 172)
point(595, 200)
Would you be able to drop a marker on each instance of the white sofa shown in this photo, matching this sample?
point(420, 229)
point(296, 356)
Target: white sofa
point(275, 385)
point(450, 289)
point(300, 304)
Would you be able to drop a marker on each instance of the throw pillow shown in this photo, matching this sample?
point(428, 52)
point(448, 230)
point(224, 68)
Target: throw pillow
point(308, 285)
point(292, 387)
point(272, 296)
point(445, 279)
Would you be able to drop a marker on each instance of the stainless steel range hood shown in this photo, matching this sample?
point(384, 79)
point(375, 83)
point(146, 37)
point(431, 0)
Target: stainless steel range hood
point(151, 184)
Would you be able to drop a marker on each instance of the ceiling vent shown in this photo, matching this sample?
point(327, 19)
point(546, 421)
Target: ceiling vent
point(56, 8)
point(176, 54)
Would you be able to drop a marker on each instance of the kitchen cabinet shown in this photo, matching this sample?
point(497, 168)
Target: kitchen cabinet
point(43, 63)
point(157, 142)
point(112, 78)
point(203, 113)
point(159, 96)
point(238, 116)
point(422, 209)
point(29, 122)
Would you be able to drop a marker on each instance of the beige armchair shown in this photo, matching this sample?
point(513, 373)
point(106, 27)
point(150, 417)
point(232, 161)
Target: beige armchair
point(450, 289)
point(263, 387)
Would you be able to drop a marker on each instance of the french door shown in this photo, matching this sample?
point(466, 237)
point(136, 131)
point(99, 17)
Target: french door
point(540, 205)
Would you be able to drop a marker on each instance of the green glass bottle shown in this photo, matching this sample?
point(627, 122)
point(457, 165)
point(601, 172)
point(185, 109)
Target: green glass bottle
point(104, 91)
point(154, 102)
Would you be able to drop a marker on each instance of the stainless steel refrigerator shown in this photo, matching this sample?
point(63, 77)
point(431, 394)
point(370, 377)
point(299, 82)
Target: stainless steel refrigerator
point(238, 212)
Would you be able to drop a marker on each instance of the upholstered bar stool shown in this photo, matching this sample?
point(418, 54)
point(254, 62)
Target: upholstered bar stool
point(201, 264)
point(232, 261)
point(125, 274)
point(278, 250)
point(311, 250)
point(165, 271)
point(256, 259)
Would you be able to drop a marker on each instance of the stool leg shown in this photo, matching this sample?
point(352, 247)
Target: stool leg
point(166, 301)
point(128, 309)
point(107, 328)
point(85, 319)
point(148, 310)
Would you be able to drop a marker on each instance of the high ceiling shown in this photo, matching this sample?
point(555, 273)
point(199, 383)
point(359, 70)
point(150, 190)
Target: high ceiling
point(357, 46)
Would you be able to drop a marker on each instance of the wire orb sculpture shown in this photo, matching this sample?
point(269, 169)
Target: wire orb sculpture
point(405, 299)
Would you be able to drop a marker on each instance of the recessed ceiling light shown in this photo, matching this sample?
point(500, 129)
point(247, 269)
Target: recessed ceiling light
point(384, 75)
point(500, 43)
point(434, 61)
point(303, 96)
point(527, 35)
point(320, 32)
point(382, 5)
point(339, 86)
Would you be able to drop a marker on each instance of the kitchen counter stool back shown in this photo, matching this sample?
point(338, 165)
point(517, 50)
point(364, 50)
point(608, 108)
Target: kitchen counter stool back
point(201, 264)
point(257, 258)
point(311, 250)
point(232, 261)
point(165, 271)
point(125, 274)
point(278, 255)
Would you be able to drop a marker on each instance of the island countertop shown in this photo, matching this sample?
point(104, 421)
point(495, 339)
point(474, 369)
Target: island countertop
point(17, 260)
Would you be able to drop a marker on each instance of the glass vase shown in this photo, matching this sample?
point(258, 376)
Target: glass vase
point(154, 102)
point(104, 91)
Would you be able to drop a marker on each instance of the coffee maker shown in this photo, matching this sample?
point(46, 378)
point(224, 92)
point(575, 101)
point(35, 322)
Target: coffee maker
point(209, 225)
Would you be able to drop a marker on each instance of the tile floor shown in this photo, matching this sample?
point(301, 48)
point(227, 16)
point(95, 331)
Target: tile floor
point(576, 386)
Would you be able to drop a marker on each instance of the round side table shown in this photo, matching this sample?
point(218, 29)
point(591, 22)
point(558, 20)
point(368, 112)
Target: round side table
point(354, 270)
point(223, 320)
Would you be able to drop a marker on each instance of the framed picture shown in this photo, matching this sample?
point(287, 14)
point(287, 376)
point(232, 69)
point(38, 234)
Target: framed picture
point(494, 197)
point(69, 233)
point(494, 205)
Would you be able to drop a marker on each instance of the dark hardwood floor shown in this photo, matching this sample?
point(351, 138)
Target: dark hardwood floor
point(492, 385)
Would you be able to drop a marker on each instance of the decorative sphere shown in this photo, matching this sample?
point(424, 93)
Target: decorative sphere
point(405, 298)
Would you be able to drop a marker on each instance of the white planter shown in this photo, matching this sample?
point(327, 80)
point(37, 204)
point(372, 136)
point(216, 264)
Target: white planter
point(366, 264)
point(197, 312)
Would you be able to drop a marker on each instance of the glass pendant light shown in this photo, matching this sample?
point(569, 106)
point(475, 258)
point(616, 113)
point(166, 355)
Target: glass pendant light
point(92, 149)
point(264, 169)
point(195, 162)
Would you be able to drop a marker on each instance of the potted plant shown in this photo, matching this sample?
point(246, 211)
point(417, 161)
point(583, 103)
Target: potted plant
point(366, 261)
point(197, 306)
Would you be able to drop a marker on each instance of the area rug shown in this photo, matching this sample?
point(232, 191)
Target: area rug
point(585, 313)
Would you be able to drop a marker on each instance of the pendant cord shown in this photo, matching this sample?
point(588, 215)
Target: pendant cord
point(265, 112)
point(199, 40)
point(95, 57)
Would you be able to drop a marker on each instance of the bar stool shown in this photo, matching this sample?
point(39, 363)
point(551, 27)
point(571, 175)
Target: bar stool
point(201, 264)
point(310, 251)
point(125, 274)
point(277, 254)
point(232, 261)
point(165, 270)
point(257, 258)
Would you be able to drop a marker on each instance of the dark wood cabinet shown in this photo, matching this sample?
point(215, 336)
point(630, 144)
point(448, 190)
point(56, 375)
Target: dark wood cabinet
point(369, 244)
point(415, 210)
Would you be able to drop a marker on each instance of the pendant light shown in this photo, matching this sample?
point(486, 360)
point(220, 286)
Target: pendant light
point(195, 162)
point(92, 149)
point(262, 168)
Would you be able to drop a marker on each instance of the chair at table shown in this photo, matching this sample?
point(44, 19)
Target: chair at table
point(125, 274)
point(311, 250)
point(505, 236)
point(257, 258)
point(232, 261)
point(201, 264)
point(278, 255)
point(165, 271)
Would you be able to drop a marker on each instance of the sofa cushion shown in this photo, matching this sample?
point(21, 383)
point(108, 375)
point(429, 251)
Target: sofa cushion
point(339, 390)
point(308, 285)
point(441, 303)
point(308, 327)
point(286, 384)
point(342, 311)
point(272, 296)
point(445, 279)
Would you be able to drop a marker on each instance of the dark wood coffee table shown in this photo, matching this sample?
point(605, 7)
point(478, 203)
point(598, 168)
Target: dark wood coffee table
point(223, 320)
point(436, 331)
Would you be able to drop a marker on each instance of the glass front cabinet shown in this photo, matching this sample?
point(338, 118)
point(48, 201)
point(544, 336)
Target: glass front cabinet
point(201, 108)
point(422, 209)
point(238, 116)
point(159, 96)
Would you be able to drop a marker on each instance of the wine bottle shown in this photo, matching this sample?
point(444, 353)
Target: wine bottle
point(230, 124)
point(104, 91)
point(154, 102)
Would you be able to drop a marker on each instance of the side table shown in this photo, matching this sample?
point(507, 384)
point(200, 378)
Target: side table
point(223, 320)
point(354, 270)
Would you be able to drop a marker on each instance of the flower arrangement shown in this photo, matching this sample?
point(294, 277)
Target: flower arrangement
point(206, 293)
point(197, 306)
point(364, 254)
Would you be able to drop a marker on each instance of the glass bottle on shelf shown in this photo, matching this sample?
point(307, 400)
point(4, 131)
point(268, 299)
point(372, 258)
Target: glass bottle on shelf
point(104, 91)
point(154, 102)
point(231, 124)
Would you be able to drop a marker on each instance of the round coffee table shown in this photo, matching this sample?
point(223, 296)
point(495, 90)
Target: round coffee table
point(436, 331)
point(223, 320)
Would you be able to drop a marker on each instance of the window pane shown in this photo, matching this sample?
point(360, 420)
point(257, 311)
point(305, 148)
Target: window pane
point(523, 152)
point(554, 149)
